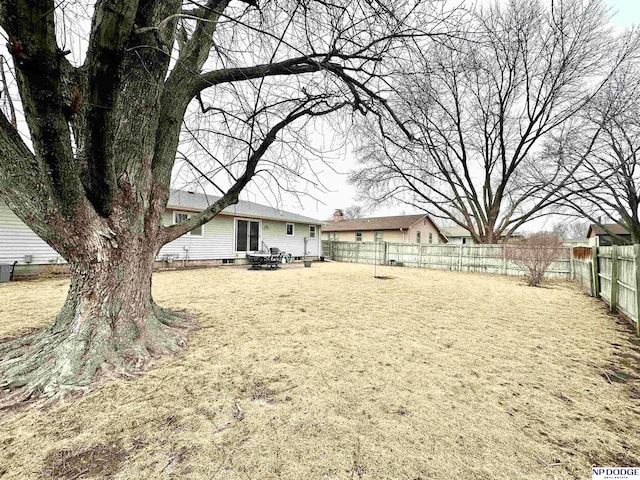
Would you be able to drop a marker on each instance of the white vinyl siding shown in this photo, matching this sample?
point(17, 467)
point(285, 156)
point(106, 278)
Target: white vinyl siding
point(18, 240)
point(217, 243)
point(274, 235)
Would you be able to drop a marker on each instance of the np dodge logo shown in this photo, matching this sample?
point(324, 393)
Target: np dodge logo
point(615, 473)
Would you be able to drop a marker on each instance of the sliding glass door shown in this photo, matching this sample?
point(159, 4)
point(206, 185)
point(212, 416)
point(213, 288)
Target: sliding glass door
point(247, 236)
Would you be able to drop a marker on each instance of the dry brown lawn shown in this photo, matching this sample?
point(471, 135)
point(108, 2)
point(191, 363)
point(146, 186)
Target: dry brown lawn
point(327, 373)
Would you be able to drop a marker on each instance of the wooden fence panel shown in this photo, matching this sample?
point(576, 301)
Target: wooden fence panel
point(582, 274)
point(355, 252)
point(627, 295)
point(604, 272)
point(442, 257)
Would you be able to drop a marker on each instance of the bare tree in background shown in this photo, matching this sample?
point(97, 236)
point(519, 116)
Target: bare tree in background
point(478, 107)
point(535, 254)
point(604, 142)
point(353, 212)
point(567, 229)
point(232, 83)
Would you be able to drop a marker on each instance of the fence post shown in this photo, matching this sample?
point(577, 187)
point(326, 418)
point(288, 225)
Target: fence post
point(386, 253)
point(596, 270)
point(613, 295)
point(571, 265)
point(460, 258)
point(636, 262)
point(420, 255)
point(581, 278)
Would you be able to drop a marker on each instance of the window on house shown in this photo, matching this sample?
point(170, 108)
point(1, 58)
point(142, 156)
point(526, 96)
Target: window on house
point(312, 231)
point(418, 235)
point(290, 230)
point(358, 236)
point(333, 236)
point(247, 236)
point(430, 237)
point(377, 236)
point(179, 217)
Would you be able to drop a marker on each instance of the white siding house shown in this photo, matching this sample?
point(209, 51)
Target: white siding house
point(243, 227)
point(18, 241)
point(457, 235)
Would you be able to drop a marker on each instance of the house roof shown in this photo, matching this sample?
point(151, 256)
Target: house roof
point(192, 201)
point(455, 232)
point(374, 223)
point(615, 228)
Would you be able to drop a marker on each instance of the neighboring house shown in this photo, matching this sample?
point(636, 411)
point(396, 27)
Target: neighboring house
point(599, 237)
point(404, 228)
point(239, 228)
point(458, 235)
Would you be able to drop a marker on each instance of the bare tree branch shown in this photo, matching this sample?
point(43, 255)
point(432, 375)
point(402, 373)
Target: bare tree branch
point(478, 110)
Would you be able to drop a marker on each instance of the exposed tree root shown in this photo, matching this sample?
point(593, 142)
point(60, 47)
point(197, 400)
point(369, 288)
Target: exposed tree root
point(74, 353)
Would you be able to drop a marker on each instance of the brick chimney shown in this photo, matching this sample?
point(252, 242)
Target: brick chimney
point(338, 216)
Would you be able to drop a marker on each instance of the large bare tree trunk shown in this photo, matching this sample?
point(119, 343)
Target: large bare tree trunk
point(109, 325)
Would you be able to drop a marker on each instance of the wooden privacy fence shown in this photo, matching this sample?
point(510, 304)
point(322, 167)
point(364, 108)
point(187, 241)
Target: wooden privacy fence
point(469, 258)
point(616, 279)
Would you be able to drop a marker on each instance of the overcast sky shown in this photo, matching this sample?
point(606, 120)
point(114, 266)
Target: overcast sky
point(341, 195)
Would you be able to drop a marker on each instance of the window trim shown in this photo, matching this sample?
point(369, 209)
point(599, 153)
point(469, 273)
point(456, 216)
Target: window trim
point(188, 214)
point(359, 232)
point(315, 231)
point(375, 235)
point(419, 237)
point(293, 229)
point(235, 233)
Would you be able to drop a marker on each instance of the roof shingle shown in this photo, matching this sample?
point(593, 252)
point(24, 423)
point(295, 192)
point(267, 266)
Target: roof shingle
point(615, 228)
